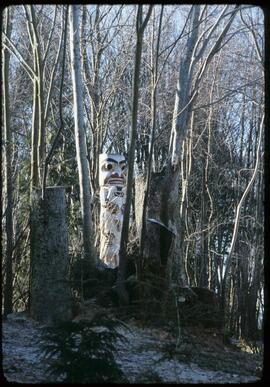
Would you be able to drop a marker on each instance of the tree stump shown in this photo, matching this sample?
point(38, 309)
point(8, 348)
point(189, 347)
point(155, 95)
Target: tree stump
point(156, 243)
point(50, 295)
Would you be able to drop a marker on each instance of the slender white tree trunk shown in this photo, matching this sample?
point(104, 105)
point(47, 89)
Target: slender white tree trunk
point(8, 287)
point(238, 215)
point(81, 151)
point(183, 103)
point(140, 27)
point(186, 94)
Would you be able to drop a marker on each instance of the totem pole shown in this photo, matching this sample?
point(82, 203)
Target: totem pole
point(112, 182)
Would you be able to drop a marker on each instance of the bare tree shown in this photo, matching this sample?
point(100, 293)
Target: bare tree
point(81, 151)
point(196, 120)
point(154, 80)
point(41, 94)
point(61, 125)
point(99, 30)
point(187, 90)
point(238, 214)
point(8, 289)
point(38, 124)
point(140, 27)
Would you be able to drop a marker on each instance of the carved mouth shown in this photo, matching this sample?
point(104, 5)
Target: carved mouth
point(115, 181)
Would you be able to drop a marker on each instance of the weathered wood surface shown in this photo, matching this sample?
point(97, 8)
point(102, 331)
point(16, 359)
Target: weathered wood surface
point(157, 239)
point(50, 296)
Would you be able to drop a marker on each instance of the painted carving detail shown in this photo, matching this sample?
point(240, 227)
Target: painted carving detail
point(112, 182)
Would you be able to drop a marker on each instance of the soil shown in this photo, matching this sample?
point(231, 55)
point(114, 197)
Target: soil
point(150, 355)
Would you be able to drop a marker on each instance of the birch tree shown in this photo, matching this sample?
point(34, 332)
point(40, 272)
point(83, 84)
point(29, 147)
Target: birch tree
point(199, 109)
point(8, 288)
point(190, 77)
point(35, 68)
point(238, 214)
point(99, 30)
point(140, 27)
point(154, 80)
point(80, 139)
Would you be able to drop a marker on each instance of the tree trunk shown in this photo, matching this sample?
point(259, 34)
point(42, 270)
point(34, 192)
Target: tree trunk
point(181, 118)
point(61, 123)
point(152, 253)
point(237, 220)
point(40, 93)
point(8, 288)
point(34, 141)
point(140, 25)
point(204, 253)
point(80, 138)
point(144, 198)
point(38, 124)
point(186, 93)
point(92, 81)
point(50, 296)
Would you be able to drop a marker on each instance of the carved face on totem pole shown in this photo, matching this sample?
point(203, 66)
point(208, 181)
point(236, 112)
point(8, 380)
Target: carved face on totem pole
point(112, 182)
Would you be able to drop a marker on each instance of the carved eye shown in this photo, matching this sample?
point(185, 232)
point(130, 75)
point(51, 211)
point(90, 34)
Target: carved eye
point(108, 166)
point(123, 167)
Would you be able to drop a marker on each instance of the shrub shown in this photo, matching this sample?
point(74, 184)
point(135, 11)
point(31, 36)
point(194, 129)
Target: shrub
point(83, 351)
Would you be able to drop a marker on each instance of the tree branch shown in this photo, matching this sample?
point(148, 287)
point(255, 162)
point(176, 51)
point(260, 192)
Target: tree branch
point(61, 125)
point(15, 51)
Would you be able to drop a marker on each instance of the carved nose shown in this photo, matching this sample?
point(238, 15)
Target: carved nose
point(117, 172)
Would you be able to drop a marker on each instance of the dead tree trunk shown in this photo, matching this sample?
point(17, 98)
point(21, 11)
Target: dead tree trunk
point(154, 240)
point(50, 296)
point(189, 80)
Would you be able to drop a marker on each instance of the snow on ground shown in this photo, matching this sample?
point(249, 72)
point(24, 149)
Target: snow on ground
point(139, 357)
point(142, 355)
point(22, 361)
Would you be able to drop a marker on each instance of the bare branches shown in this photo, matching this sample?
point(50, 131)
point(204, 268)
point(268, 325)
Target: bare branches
point(254, 38)
point(240, 204)
point(206, 39)
point(50, 36)
point(61, 124)
point(214, 49)
point(238, 214)
point(195, 74)
point(53, 71)
point(15, 51)
point(140, 23)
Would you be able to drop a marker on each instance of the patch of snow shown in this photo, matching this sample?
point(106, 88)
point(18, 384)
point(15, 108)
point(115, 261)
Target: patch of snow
point(22, 360)
point(138, 356)
point(141, 355)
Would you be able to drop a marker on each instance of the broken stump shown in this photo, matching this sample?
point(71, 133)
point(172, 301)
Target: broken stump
point(50, 295)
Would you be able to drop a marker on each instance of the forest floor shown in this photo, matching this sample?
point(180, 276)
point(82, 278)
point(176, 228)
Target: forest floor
point(147, 356)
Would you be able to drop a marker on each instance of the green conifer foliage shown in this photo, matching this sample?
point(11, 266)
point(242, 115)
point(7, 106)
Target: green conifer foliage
point(83, 351)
